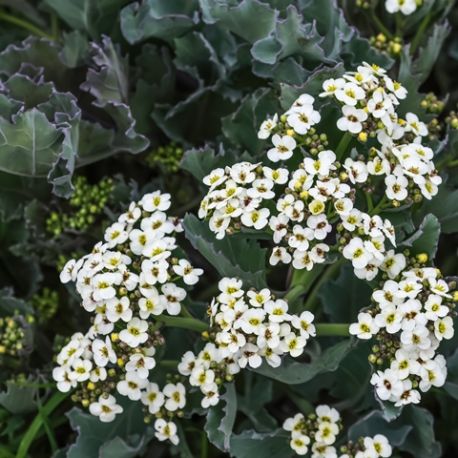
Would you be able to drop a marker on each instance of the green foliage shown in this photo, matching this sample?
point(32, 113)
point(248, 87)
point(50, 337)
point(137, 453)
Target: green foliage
point(103, 101)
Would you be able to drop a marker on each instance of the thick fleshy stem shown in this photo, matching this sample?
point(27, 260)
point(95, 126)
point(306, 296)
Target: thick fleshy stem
point(332, 329)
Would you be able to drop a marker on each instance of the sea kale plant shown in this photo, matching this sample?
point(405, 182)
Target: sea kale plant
point(228, 228)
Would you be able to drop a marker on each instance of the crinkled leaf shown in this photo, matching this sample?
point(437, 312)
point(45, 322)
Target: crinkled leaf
point(412, 432)
point(345, 296)
point(274, 444)
point(119, 438)
point(220, 420)
point(444, 206)
point(18, 399)
point(224, 254)
point(413, 72)
point(157, 18)
point(426, 238)
point(29, 145)
point(293, 372)
point(239, 18)
point(107, 79)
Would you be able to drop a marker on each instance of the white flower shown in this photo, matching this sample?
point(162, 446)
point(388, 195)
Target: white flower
point(378, 446)
point(283, 148)
point(443, 328)
point(250, 356)
point(153, 398)
point(106, 408)
point(390, 319)
point(320, 226)
point(278, 176)
point(266, 127)
point(256, 218)
point(132, 215)
point(357, 170)
point(132, 386)
point(299, 443)
point(387, 384)
point(116, 234)
point(330, 86)
point(140, 364)
point(349, 94)
point(103, 352)
point(294, 423)
point(135, 332)
point(393, 264)
point(81, 370)
point(277, 310)
point(365, 328)
point(251, 320)
point(175, 395)
point(352, 119)
point(326, 433)
point(434, 308)
point(259, 298)
point(215, 178)
point(69, 272)
point(303, 118)
point(166, 430)
point(303, 322)
point(61, 375)
point(172, 297)
point(151, 305)
point(279, 254)
point(406, 7)
point(118, 309)
point(322, 165)
point(396, 187)
point(327, 414)
point(189, 274)
point(302, 260)
point(201, 376)
point(211, 395)
point(293, 344)
point(356, 251)
point(155, 201)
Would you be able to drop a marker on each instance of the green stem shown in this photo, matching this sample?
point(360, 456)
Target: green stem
point(203, 445)
point(332, 329)
point(301, 282)
point(192, 324)
point(451, 164)
point(55, 26)
point(343, 144)
point(370, 204)
point(24, 24)
point(169, 363)
point(305, 406)
point(185, 312)
point(380, 24)
point(34, 428)
point(418, 36)
point(379, 206)
point(5, 453)
point(312, 299)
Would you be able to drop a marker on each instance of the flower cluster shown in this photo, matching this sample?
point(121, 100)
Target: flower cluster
point(13, 336)
point(405, 7)
point(368, 99)
point(86, 205)
point(127, 281)
point(306, 206)
point(247, 328)
point(318, 432)
point(410, 317)
point(313, 206)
